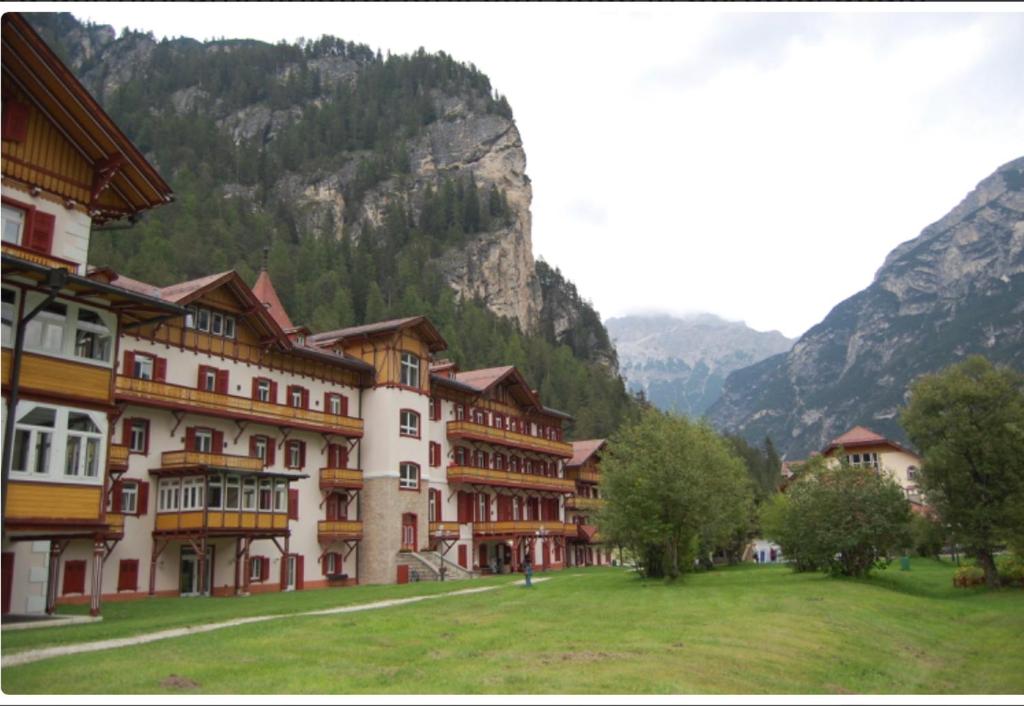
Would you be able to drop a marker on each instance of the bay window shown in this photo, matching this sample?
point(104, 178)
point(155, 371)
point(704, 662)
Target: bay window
point(58, 444)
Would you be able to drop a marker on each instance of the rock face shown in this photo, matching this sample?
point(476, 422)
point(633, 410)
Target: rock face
point(955, 290)
point(680, 364)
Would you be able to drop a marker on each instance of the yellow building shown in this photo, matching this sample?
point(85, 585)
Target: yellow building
point(863, 447)
point(66, 166)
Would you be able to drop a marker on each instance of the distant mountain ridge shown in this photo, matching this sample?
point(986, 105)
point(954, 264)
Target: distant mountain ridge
point(681, 363)
point(955, 290)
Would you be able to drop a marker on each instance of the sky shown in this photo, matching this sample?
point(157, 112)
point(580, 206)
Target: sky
point(758, 165)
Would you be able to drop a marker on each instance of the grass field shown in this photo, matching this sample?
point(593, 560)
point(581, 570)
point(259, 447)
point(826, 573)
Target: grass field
point(744, 630)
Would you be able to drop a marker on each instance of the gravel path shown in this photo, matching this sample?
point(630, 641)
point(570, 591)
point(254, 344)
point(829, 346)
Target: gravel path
point(29, 656)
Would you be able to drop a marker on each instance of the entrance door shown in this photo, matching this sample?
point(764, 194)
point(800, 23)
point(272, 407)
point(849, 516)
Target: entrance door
point(189, 583)
point(409, 532)
point(8, 579)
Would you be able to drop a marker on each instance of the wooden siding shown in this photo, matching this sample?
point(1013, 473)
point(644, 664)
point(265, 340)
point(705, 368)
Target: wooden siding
point(334, 530)
point(508, 479)
point(550, 527)
point(384, 354)
point(340, 478)
point(60, 377)
point(38, 500)
point(135, 389)
point(117, 456)
point(39, 258)
point(465, 429)
point(185, 459)
point(220, 520)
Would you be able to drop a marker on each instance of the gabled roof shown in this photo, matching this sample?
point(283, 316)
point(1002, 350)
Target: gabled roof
point(265, 292)
point(583, 450)
point(37, 71)
point(435, 342)
point(486, 379)
point(859, 437)
point(185, 292)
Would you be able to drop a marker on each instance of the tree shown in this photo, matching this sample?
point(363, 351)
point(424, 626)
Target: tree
point(838, 518)
point(673, 487)
point(968, 422)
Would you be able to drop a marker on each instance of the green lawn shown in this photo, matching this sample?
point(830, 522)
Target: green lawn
point(734, 631)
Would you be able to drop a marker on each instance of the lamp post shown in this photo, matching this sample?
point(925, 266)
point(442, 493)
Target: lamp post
point(439, 537)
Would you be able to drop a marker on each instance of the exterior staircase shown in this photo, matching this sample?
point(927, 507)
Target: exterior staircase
point(419, 570)
point(452, 571)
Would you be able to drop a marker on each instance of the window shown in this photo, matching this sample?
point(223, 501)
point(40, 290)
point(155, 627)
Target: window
point(192, 494)
point(410, 373)
point(259, 448)
point(204, 441)
point(409, 476)
point(214, 495)
point(499, 461)
point(138, 435)
point(13, 224)
point(480, 458)
point(190, 316)
point(435, 408)
point(143, 366)
point(483, 507)
point(517, 508)
point(45, 436)
point(10, 309)
point(911, 472)
point(217, 324)
point(33, 438)
point(296, 451)
point(129, 498)
point(460, 456)
point(203, 320)
point(460, 412)
point(82, 452)
point(266, 494)
point(92, 336)
point(409, 423)
point(249, 494)
point(255, 568)
point(231, 494)
point(263, 390)
point(70, 330)
point(207, 379)
point(169, 492)
point(479, 416)
point(435, 454)
point(336, 404)
point(229, 327)
point(432, 508)
point(513, 464)
point(296, 397)
point(45, 332)
point(280, 496)
point(333, 563)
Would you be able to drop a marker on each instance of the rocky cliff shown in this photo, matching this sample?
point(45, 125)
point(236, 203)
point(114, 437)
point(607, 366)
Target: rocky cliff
point(462, 133)
point(680, 363)
point(955, 290)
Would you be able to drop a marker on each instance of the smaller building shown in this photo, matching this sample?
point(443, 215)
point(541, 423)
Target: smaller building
point(584, 547)
point(866, 448)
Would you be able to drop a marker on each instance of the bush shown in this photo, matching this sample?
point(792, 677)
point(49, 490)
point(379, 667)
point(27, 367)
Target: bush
point(1011, 568)
point(968, 576)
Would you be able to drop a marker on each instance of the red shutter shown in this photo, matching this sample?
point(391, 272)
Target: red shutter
point(190, 438)
point(129, 364)
point(271, 450)
point(116, 494)
point(264, 568)
point(344, 406)
point(128, 575)
point(273, 392)
point(288, 395)
point(222, 382)
point(300, 569)
point(160, 369)
point(15, 121)
point(323, 564)
point(142, 506)
point(302, 454)
point(145, 445)
point(438, 505)
point(462, 556)
point(74, 577)
point(305, 398)
point(218, 442)
point(461, 507)
point(199, 376)
point(343, 456)
point(255, 388)
point(327, 403)
point(252, 446)
point(284, 571)
point(40, 234)
point(293, 503)
point(126, 433)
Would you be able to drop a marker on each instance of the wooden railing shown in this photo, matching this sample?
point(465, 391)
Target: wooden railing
point(340, 478)
point(512, 479)
point(118, 456)
point(115, 523)
point(583, 475)
point(178, 459)
point(464, 428)
point(577, 503)
point(446, 529)
point(225, 405)
point(550, 527)
point(39, 258)
point(329, 530)
point(222, 520)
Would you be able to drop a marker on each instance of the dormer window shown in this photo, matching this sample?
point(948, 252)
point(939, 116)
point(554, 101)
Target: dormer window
point(410, 372)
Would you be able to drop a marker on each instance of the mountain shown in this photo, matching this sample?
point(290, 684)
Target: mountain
point(383, 186)
point(955, 290)
point(680, 364)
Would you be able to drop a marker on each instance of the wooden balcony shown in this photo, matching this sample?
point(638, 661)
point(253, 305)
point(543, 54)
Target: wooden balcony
point(331, 478)
point(233, 407)
point(222, 521)
point(444, 530)
point(115, 525)
point(328, 531)
point(56, 377)
point(117, 455)
point(508, 479)
point(39, 258)
point(583, 475)
point(465, 429)
point(550, 527)
point(188, 459)
point(577, 503)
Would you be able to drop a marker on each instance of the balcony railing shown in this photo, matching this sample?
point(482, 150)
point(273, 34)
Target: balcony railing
point(118, 455)
point(334, 530)
point(185, 459)
point(232, 406)
point(223, 521)
point(115, 524)
point(577, 503)
point(446, 530)
point(340, 478)
point(509, 479)
point(583, 475)
point(465, 429)
point(549, 527)
point(39, 258)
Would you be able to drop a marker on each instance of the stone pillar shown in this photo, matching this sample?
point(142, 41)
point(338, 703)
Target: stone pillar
point(53, 573)
point(96, 593)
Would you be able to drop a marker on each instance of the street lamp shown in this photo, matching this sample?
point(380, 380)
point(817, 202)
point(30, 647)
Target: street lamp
point(439, 537)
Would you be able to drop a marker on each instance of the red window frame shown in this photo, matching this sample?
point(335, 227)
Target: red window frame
point(126, 434)
point(419, 423)
point(289, 445)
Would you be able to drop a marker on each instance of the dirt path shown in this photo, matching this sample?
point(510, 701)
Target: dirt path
point(29, 656)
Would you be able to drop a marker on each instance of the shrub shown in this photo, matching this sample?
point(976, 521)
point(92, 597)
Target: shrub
point(968, 576)
point(1011, 568)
